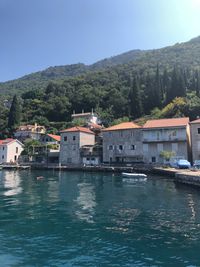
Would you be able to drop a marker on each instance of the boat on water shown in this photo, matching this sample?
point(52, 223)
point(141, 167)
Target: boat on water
point(134, 175)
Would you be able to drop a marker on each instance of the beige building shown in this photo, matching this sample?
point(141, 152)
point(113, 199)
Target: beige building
point(195, 139)
point(29, 131)
point(10, 150)
point(122, 143)
point(72, 140)
point(166, 135)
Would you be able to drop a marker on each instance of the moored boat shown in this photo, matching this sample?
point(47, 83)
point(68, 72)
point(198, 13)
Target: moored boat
point(134, 175)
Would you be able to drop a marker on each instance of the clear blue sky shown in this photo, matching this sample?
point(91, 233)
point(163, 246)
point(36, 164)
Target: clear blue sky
point(36, 34)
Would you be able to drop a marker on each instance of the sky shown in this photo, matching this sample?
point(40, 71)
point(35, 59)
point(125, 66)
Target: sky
point(37, 34)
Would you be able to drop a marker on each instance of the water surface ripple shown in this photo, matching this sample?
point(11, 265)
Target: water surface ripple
point(90, 219)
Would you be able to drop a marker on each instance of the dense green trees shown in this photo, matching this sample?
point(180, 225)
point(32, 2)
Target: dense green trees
point(158, 83)
point(115, 94)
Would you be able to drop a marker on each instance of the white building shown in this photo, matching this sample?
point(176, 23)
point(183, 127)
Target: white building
point(10, 150)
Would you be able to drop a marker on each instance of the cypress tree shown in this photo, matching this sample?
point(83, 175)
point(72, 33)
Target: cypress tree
point(165, 82)
point(14, 114)
point(177, 87)
point(136, 108)
point(157, 89)
point(197, 88)
point(148, 100)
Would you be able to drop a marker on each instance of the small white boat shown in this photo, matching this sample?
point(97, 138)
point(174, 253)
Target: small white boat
point(134, 175)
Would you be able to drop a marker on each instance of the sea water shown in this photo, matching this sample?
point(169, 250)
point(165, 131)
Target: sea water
point(95, 219)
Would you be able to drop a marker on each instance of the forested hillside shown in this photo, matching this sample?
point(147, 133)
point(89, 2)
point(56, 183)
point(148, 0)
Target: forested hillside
point(183, 54)
point(154, 84)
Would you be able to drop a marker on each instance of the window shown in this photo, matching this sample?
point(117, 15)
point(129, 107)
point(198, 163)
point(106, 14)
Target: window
point(3, 157)
point(198, 130)
point(65, 138)
point(110, 147)
point(15, 158)
point(133, 147)
point(69, 160)
point(74, 137)
point(47, 139)
point(121, 133)
point(3, 147)
point(87, 159)
point(16, 150)
point(153, 159)
point(74, 147)
point(120, 147)
point(174, 133)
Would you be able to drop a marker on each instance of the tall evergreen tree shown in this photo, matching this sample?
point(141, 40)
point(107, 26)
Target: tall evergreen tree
point(177, 87)
point(14, 114)
point(157, 93)
point(136, 108)
point(148, 99)
point(197, 87)
point(165, 82)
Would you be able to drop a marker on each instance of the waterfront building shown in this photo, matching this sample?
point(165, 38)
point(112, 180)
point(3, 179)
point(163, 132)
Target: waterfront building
point(91, 154)
point(122, 143)
point(195, 139)
point(171, 135)
point(10, 150)
point(72, 140)
point(29, 132)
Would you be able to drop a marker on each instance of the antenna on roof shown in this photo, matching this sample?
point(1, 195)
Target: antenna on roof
point(92, 112)
point(74, 112)
point(82, 110)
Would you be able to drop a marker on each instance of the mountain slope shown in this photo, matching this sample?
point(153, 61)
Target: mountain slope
point(186, 55)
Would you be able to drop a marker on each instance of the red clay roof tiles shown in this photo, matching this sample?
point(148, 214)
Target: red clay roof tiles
point(123, 126)
point(163, 123)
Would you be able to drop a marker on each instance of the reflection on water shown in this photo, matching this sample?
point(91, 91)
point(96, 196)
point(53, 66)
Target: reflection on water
point(11, 182)
point(192, 206)
point(86, 202)
point(89, 220)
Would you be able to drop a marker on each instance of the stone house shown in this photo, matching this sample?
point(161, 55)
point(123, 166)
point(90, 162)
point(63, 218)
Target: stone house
point(122, 143)
point(10, 150)
point(171, 135)
point(195, 139)
point(72, 140)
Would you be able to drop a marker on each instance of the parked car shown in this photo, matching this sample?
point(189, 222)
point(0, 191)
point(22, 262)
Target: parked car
point(196, 164)
point(174, 161)
point(183, 164)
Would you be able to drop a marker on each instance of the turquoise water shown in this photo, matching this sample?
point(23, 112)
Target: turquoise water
point(84, 219)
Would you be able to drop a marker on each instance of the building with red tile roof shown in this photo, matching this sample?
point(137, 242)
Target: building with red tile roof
point(165, 123)
point(123, 126)
point(72, 140)
point(122, 143)
point(77, 129)
point(29, 132)
point(170, 135)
